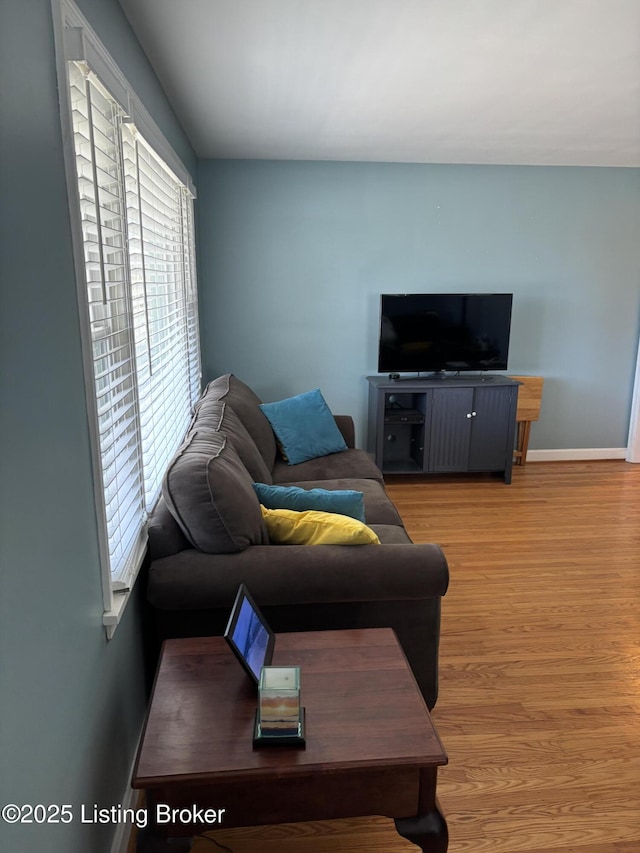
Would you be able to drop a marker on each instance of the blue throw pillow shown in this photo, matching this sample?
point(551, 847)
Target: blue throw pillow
point(341, 501)
point(304, 427)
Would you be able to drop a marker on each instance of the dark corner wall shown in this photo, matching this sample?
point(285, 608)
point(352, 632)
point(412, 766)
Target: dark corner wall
point(71, 702)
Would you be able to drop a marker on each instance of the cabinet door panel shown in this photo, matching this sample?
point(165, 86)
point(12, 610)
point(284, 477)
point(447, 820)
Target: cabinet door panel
point(490, 429)
point(450, 430)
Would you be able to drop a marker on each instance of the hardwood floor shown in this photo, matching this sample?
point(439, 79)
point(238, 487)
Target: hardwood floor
point(539, 706)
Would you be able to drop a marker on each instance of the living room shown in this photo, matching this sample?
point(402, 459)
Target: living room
point(293, 256)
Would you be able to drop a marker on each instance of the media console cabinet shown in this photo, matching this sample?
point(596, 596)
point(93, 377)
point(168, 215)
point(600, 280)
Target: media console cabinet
point(439, 426)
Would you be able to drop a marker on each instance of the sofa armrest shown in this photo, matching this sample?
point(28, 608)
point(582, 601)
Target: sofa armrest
point(347, 428)
point(299, 574)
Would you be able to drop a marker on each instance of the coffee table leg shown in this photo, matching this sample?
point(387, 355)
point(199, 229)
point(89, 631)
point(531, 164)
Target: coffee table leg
point(429, 831)
point(429, 828)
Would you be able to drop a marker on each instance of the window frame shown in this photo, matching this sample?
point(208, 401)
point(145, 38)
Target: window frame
point(75, 40)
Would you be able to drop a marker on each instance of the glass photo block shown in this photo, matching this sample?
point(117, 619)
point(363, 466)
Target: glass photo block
point(279, 701)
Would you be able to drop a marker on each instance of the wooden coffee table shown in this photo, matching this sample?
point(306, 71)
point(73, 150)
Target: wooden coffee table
point(371, 746)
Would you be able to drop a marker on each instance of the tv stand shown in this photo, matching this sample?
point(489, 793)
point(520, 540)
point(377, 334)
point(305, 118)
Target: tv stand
point(443, 424)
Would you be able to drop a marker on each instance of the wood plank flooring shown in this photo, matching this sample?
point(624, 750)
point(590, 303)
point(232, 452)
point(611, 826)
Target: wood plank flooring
point(539, 704)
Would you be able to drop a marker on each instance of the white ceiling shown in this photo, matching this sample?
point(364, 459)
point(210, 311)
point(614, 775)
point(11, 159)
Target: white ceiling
point(440, 81)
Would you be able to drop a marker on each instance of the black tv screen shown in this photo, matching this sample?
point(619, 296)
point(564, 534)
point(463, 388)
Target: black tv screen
point(444, 331)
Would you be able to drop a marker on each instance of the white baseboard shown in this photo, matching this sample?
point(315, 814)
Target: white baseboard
point(129, 800)
point(589, 454)
point(123, 831)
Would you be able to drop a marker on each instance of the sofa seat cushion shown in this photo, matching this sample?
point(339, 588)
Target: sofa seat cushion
point(378, 509)
point(245, 403)
point(209, 492)
point(349, 463)
point(390, 534)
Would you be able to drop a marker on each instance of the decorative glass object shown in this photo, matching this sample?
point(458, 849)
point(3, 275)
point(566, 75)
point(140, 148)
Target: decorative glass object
point(280, 717)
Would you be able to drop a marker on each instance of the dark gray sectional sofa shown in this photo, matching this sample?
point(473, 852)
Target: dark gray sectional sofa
point(207, 536)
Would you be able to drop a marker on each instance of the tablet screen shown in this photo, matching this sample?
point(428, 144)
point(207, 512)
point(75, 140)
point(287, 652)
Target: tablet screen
point(249, 636)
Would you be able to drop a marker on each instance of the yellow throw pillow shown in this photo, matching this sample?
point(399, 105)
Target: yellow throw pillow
point(287, 527)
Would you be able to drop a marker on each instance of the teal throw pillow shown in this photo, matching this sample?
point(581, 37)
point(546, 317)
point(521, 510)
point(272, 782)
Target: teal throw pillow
point(341, 501)
point(304, 427)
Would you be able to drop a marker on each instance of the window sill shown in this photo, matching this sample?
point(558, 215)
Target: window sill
point(111, 618)
point(120, 594)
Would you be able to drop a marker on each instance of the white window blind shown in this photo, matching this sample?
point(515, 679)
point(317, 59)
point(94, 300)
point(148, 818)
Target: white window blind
point(161, 290)
point(141, 301)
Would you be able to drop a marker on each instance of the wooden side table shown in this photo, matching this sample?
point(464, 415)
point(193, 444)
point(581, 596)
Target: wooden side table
point(371, 746)
point(527, 411)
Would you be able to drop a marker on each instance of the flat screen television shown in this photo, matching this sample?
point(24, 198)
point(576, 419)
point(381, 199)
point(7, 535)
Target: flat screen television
point(438, 332)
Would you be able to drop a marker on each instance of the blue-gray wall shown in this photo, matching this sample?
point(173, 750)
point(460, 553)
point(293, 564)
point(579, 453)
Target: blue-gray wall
point(71, 703)
point(295, 255)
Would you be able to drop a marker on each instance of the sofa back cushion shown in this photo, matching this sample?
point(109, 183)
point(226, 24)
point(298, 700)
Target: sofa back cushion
point(217, 416)
point(209, 492)
point(245, 403)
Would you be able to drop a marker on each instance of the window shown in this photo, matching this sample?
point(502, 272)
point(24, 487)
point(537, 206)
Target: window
point(137, 292)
